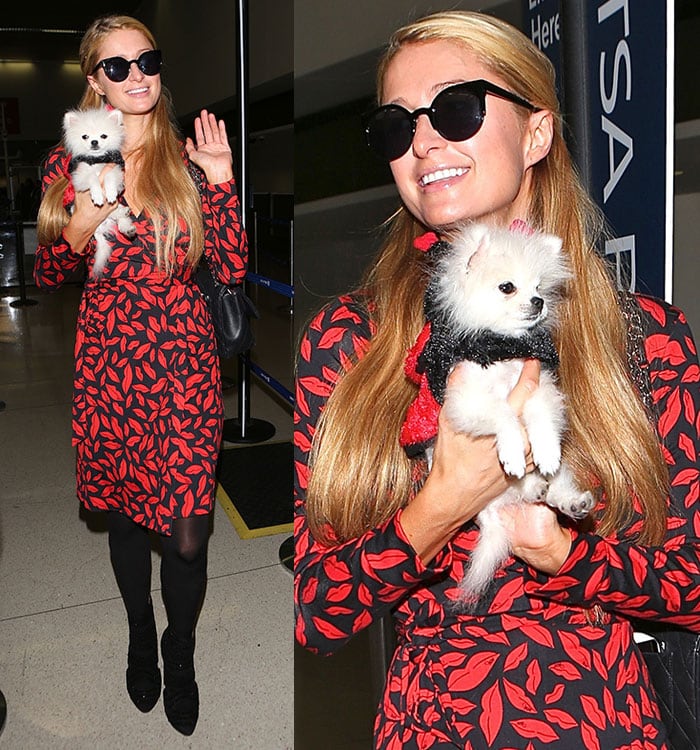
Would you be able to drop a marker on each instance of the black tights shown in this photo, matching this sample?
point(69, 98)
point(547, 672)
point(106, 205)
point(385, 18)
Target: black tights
point(183, 569)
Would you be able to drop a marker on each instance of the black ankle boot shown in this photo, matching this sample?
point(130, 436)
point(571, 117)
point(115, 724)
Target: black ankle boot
point(142, 673)
point(181, 695)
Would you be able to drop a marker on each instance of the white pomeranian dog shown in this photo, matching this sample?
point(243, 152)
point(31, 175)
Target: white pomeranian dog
point(94, 138)
point(496, 291)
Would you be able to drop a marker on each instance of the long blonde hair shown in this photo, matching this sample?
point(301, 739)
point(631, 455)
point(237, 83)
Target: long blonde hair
point(360, 475)
point(163, 183)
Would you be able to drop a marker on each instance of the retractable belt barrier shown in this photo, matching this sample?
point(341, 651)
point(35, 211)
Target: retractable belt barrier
point(276, 286)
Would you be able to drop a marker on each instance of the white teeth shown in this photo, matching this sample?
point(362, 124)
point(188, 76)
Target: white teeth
point(137, 91)
point(442, 174)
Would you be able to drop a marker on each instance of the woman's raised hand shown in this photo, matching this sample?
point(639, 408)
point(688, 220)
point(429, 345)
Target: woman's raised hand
point(210, 150)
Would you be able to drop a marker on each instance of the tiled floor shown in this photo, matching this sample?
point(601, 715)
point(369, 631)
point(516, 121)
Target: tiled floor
point(62, 625)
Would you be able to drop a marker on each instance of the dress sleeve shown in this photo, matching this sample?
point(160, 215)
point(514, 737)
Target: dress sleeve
point(56, 262)
point(654, 583)
point(341, 589)
point(225, 239)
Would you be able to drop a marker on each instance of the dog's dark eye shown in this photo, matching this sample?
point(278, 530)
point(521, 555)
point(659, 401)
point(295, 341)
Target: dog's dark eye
point(85, 137)
point(507, 287)
point(104, 135)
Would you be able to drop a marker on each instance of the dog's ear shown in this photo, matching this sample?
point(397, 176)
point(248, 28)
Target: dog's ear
point(69, 118)
point(555, 263)
point(552, 243)
point(479, 240)
point(479, 234)
point(470, 239)
point(116, 115)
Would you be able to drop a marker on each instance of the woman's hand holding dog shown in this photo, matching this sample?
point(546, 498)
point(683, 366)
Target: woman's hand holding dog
point(465, 475)
point(86, 217)
point(535, 535)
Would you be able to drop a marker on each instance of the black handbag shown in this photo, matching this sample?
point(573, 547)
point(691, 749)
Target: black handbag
point(231, 311)
point(673, 660)
point(672, 654)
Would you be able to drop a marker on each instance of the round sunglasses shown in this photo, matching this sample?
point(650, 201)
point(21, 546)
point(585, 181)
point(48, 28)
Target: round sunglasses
point(456, 113)
point(117, 68)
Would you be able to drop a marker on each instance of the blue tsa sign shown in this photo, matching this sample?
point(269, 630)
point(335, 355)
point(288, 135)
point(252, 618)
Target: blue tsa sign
point(631, 128)
point(543, 26)
point(627, 81)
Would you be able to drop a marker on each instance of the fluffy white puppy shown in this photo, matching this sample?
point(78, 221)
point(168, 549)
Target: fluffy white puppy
point(497, 291)
point(94, 138)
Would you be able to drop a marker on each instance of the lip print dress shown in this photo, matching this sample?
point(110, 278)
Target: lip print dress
point(147, 402)
point(545, 661)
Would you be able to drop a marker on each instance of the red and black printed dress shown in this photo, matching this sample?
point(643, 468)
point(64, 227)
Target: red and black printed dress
point(147, 403)
point(526, 670)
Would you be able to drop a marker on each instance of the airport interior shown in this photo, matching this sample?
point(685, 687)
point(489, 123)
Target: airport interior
point(63, 629)
point(291, 80)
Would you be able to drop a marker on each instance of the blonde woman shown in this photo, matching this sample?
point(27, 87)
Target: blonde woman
point(468, 120)
point(148, 412)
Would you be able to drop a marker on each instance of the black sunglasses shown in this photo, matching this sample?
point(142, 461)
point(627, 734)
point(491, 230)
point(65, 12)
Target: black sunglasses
point(117, 68)
point(457, 113)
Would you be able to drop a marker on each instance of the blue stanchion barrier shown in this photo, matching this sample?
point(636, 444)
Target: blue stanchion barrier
point(275, 286)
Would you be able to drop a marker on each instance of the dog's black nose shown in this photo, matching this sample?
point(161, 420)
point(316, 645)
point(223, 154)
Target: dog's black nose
point(94, 144)
point(537, 303)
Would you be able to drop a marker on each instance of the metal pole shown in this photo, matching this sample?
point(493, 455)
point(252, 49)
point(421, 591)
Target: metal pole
point(23, 300)
point(577, 85)
point(8, 176)
point(244, 429)
point(242, 98)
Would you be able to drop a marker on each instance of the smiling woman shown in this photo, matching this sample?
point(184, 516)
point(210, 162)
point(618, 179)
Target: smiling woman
point(147, 410)
point(469, 122)
point(486, 173)
point(127, 73)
